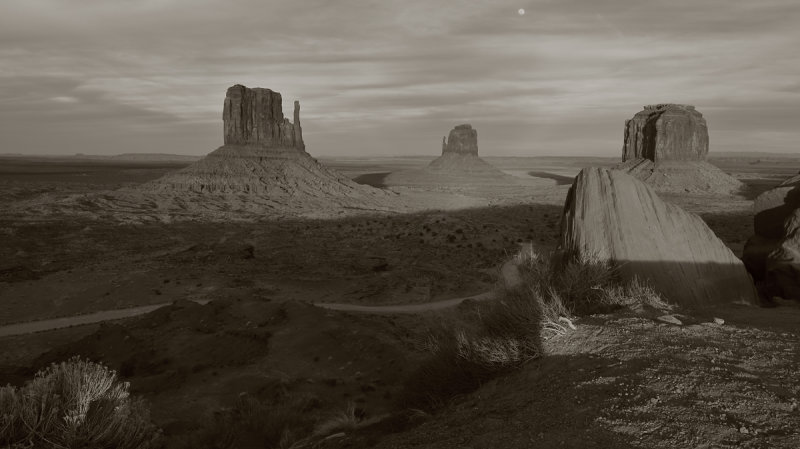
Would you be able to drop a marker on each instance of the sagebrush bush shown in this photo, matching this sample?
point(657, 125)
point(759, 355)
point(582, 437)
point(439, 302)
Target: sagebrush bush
point(74, 404)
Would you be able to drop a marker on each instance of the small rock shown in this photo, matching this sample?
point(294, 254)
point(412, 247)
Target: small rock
point(670, 319)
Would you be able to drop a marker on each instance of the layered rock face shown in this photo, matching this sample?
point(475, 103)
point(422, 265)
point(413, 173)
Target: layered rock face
point(612, 216)
point(666, 146)
point(255, 117)
point(666, 132)
point(463, 139)
point(772, 254)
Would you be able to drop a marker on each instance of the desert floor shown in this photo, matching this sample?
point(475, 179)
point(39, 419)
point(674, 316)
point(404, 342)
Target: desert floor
point(619, 380)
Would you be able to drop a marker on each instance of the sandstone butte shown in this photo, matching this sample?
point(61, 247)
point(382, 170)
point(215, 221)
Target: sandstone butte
point(264, 155)
point(666, 146)
point(460, 156)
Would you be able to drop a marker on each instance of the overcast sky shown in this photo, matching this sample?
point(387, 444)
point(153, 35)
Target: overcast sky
point(392, 77)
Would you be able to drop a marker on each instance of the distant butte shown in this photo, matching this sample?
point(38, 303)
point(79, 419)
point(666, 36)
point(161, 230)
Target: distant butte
point(463, 139)
point(264, 158)
point(666, 132)
point(666, 146)
point(460, 156)
point(255, 117)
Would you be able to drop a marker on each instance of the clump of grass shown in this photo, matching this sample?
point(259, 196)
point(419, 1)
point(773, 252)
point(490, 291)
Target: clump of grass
point(570, 285)
point(76, 403)
point(345, 420)
point(504, 335)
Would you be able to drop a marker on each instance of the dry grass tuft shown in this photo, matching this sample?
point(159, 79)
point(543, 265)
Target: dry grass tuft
point(504, 335)
point(346, 420)
point(569, 285)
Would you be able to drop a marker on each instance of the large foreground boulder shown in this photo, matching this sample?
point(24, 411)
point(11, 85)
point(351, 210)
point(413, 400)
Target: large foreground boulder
point(666, 146)
point(772, 254)
point(612, 216)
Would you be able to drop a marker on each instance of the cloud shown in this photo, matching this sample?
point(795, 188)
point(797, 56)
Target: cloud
point(392, 77)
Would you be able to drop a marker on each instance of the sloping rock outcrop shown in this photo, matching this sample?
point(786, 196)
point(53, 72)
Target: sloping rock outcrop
point(772, 254)
point(666, 146)
point(613, 216)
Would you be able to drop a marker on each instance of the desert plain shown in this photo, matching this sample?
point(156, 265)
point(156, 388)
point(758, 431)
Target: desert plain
point(239, 313)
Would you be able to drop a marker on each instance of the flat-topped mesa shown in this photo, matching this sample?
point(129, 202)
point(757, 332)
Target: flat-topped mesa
point(663, 132)
point(462, 140)
point(255, 117)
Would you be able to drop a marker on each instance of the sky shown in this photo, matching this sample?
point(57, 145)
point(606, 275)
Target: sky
point(384, 78)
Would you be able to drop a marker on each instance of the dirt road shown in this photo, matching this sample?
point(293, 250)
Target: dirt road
point(508, 271)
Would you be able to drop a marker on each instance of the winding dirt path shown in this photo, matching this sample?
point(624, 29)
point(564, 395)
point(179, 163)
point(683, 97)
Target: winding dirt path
point(508, 272)
point(80, 320)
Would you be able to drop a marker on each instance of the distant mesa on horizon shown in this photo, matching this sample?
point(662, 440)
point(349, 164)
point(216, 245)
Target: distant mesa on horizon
point(664, 132)
point(460, 156)
point(263, 167)
point(463, 139)
point(666, 146)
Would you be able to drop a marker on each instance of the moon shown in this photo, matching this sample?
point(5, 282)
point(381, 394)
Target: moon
point(521, 12)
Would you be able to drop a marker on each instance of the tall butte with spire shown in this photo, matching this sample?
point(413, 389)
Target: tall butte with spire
point(263, 162)
point(460, 156)
point(255, 117)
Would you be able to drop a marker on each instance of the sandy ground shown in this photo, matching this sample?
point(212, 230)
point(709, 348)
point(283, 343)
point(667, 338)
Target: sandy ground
point(618, 381)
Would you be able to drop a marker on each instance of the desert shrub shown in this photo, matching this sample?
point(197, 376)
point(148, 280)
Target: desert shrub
point(74, 404)
point(569, 285)
point(504, 335)
point(443, 376)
